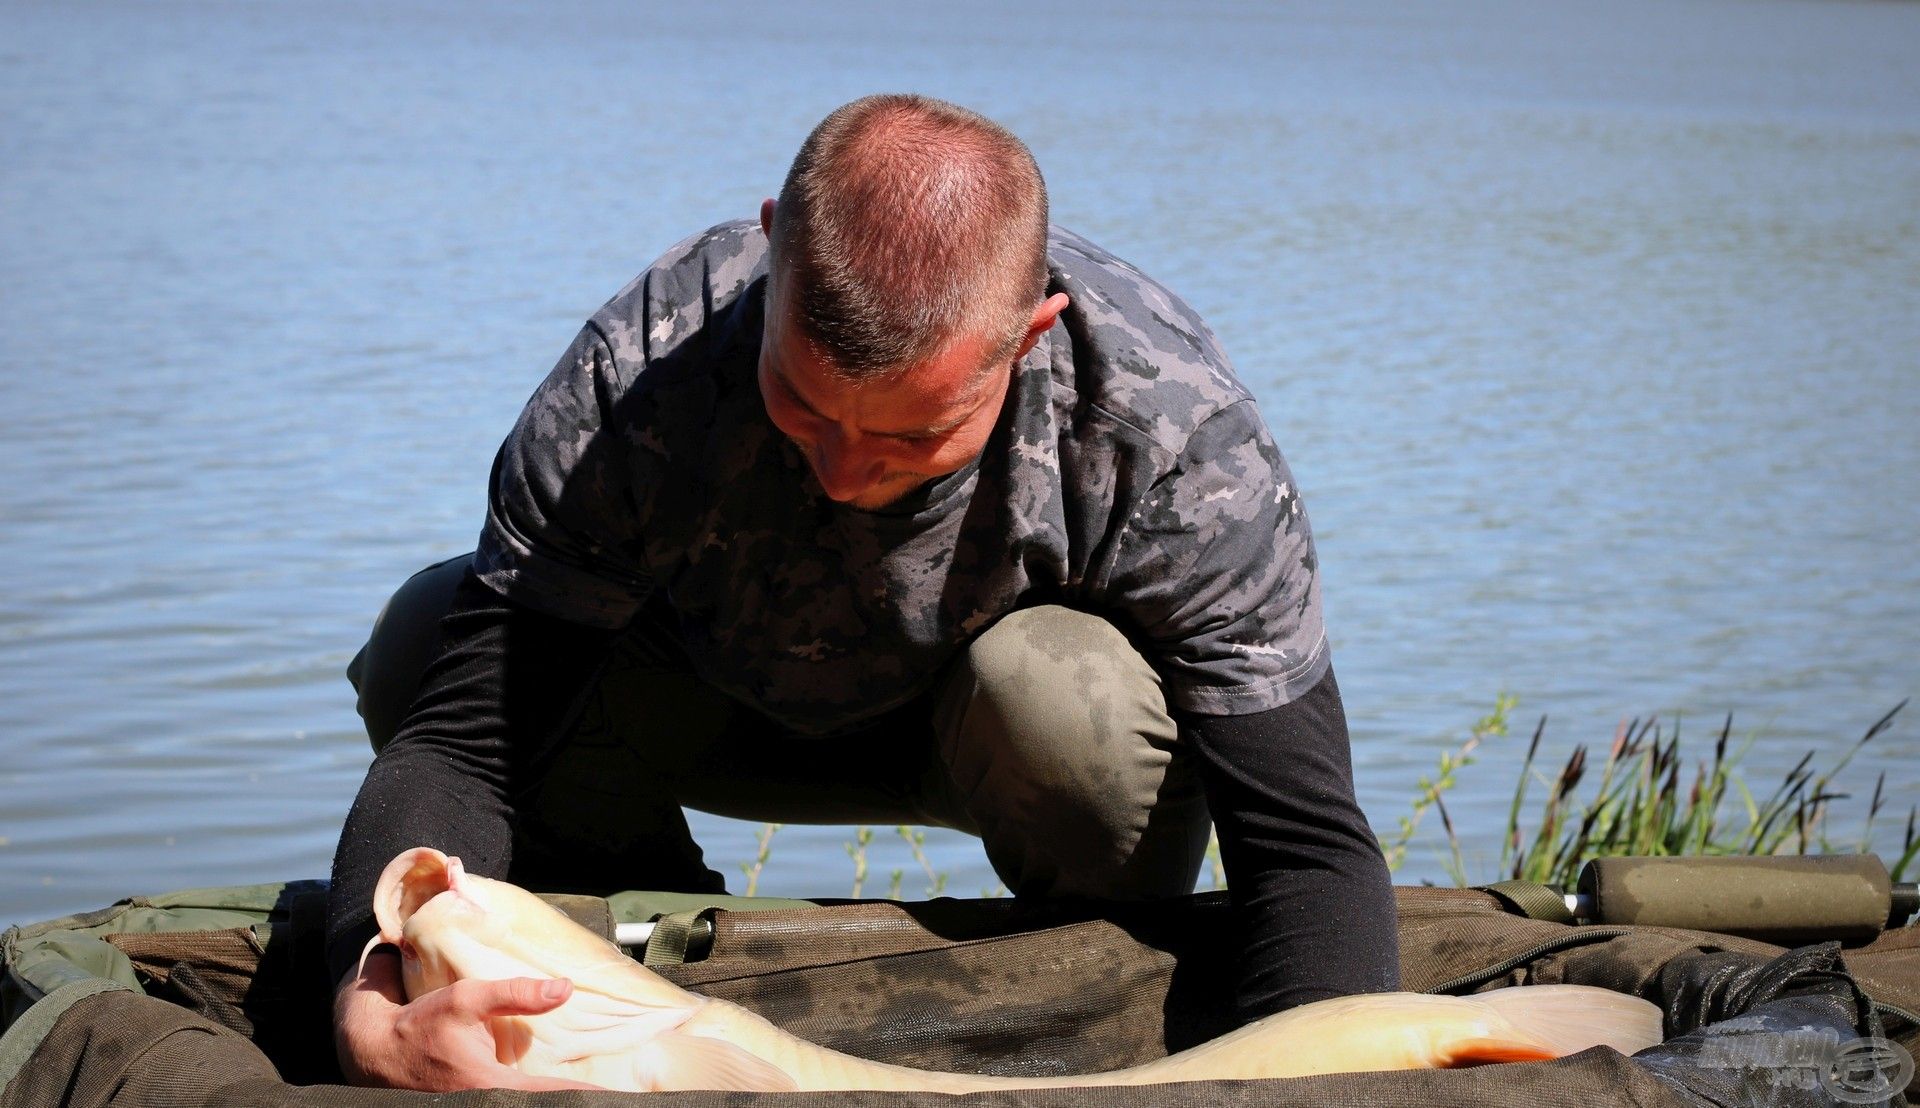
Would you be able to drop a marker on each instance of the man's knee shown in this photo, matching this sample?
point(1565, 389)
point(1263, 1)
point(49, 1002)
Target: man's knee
point(1067, 760)
point(386, 672)
point(1069, 678)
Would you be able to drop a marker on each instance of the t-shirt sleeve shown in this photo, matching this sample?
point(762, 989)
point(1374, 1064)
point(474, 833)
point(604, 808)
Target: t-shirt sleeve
point(565, 507)
point(1216, 569)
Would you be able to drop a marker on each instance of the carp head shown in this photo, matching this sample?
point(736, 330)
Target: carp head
point(450, 925)
point(429, 907)
point(618, 1028)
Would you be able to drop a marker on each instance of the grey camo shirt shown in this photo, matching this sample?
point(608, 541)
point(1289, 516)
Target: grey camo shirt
point(1129, 475)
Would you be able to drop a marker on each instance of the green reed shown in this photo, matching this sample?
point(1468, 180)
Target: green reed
point(1636, 803)
point(1432, 791)
point(764, 854)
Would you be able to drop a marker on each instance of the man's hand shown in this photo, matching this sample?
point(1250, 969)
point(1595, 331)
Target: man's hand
point(441, 1042)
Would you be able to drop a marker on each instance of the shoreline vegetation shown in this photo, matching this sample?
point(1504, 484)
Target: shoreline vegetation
point(1635, 805)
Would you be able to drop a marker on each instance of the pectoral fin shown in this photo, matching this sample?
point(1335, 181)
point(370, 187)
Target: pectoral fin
point(673, 1061)
point(615, 1024)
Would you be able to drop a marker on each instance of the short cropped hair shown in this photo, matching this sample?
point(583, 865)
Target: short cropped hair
point(905, 223)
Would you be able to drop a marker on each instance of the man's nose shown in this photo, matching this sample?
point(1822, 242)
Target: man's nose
point(843, 466)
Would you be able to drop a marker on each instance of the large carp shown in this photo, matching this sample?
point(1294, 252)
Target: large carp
point(626, 1027)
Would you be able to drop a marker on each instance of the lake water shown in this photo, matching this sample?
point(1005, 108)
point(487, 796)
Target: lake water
point(1592, 333)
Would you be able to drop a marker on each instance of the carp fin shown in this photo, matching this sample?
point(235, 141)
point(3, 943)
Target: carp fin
point(1571, 1018)
point(619, 1023)
point(674, 1061)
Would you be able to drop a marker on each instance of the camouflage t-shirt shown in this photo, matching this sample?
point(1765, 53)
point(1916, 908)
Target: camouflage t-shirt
point(1129, 475)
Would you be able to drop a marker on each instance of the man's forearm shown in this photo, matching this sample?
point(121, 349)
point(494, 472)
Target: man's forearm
point(1309, 888)
point(446, 780)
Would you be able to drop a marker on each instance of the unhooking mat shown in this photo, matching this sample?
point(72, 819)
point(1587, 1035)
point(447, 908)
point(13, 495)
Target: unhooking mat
point(219, 997)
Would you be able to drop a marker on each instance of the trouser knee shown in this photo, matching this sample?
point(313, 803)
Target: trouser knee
point(1067, 761)
point(386, 672)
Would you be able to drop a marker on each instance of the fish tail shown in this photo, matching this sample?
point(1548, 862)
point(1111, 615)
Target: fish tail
point(1571, 1018)
point(1486, 1051)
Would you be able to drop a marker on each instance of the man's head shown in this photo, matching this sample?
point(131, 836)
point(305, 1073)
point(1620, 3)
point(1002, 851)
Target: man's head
point(908, 274)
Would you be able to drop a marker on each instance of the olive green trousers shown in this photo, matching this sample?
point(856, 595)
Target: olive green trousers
point(1048, 737)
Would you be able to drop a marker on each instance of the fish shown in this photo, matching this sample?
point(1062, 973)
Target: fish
point(627, 1028)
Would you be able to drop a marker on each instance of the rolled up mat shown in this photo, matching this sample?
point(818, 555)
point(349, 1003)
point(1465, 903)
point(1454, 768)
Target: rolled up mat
point(1783, 900)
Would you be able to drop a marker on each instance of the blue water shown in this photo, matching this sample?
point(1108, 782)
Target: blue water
point(1592, 334)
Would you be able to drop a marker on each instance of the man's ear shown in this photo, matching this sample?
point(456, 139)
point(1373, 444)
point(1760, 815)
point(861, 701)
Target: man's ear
point(766, 216)
point(1042, 321)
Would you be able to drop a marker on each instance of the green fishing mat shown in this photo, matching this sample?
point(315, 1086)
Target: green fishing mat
point(219, 997)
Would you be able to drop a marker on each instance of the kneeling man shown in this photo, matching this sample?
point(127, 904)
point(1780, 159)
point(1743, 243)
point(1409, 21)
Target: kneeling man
point(897, 505)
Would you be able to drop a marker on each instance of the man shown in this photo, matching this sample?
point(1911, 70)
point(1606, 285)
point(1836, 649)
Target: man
point(895, 507)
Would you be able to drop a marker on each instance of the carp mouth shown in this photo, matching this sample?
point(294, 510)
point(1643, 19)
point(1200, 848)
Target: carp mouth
point(408, 883)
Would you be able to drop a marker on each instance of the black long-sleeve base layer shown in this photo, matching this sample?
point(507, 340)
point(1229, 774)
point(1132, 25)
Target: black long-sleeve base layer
point(1311, 895)
point(1308, 885)
point(505, 685)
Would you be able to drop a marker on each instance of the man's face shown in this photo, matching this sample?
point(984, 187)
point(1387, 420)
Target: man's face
point(872, 442)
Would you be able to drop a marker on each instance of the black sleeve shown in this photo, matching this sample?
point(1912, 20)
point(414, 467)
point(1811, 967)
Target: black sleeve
point(505, 683)
point(1310, 892)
